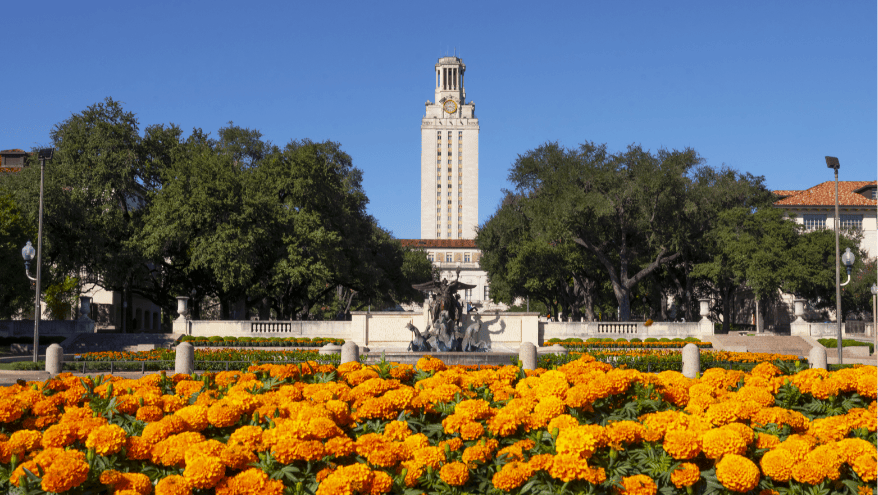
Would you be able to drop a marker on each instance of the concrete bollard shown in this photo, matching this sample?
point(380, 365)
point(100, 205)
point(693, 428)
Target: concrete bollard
point(329, 349)
point(817, 357)
point(527, 354)
point(184, 363)
point(350, 353)
point(54, 359)
point(691, 361)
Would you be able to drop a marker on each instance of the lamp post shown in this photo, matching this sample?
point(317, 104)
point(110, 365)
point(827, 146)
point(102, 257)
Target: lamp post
point(832, 162)
point(875, 314)
point(44, 154)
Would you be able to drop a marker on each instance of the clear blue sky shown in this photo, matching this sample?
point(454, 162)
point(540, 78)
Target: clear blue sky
point(764, 87)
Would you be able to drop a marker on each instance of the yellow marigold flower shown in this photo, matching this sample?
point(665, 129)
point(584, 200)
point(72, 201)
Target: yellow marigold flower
point(687, 474)
point(760, 395)
point(765, 370)
point(339, 446)
point(737, 473)
point(851, 448)
point(160, 430)
point(567, 467)
point(236, 456)
point(173, 485)
point(224, 413)
point(454, 444)
point(778, 465)
point(512, 475)
point(682, 444)
point(541, 462)
point(798, 445)
point(107, 439)
point(172, 403)
point(429, 363)
point(186, 388)
point(248, 436)
point(867, 383)
point(747, 434)
point(413, 472)
point(150, 413)
point(454, 473)
point(548, 408)
point(865, 466)
point(820, 463)
point(639, 484)
point(829, 429)
point(172, 450)
point(719, 442)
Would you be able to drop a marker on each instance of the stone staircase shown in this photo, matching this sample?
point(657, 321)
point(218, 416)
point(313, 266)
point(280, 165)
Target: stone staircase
point(774, 344)
point(117, 342)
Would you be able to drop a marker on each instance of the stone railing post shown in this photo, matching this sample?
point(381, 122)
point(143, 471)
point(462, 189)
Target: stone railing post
point(54, 359)
point(184, 361)
point(691, 361)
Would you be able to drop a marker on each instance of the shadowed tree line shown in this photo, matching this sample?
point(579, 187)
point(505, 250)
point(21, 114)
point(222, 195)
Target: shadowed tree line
point(597, 234)
point(233, 218)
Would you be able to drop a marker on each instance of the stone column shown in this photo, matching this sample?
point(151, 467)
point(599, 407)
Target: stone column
point(54, 359)
point(527, 354)
point(350, 353)
point(184, 361)
point(691, 361)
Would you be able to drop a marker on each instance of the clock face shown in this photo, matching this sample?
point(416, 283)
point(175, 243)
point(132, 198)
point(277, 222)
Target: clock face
point(450, 106)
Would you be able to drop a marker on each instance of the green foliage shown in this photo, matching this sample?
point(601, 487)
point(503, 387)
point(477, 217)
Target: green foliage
point(61, 297)
point(16, 294)
point(833, 343)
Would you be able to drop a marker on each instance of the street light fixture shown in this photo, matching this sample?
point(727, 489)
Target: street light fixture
point(832, 162)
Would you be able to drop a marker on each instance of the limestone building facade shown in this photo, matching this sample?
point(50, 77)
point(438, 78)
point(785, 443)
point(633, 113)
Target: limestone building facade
point(449, 157)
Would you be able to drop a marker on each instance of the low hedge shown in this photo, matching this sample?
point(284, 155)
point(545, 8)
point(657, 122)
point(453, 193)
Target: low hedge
point(833, 343)
point(218, 341)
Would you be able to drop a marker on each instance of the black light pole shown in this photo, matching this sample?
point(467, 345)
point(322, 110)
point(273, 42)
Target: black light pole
point(44, 154)
point(832, 162)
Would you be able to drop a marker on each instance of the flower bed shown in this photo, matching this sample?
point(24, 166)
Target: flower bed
point(584, 427)
point(260, 341)
point(654, 360)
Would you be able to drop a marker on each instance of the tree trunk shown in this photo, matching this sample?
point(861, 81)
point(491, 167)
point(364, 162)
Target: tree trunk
point(759, 323)
point(727, 309)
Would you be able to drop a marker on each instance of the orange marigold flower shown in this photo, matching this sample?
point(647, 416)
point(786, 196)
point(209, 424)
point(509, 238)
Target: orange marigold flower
point(194, 416)
point(581, 441)
point(481, 452)
point(512, 475)
point(865, 466)
point(454, 473)
point(204, 472)
point(429, 456)
point(107, 440)
point(137, 449)
point(719, 442)
point(210, 448)
point(778, 465)
point(288, 450)
point(173, 485)
point(819, 464)
point(682, 444)
point(639, 484)
point(687, 474)
point(150, 413)
point(471, 430)
point(249, 436)
point(381, 483)
point(224, 413)
point(623, 432)
point(567, 467)
point(766, 441)
point(28, 440)
point(737, 473)
point(237, 456)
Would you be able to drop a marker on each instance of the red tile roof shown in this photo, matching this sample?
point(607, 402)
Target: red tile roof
point(439, 243)
point(823, 194)
point(784, 193)
point(14, 150)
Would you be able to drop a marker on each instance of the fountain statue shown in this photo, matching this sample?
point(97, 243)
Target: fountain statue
point(445, 332)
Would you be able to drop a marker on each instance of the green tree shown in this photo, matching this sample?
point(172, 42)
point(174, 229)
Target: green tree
point(16, 293)
point(624, 209)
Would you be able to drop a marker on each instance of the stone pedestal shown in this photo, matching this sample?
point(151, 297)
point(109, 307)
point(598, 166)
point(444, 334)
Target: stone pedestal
point(181, 324)
point(54, 359)
point(84, 305)
point(184, 361)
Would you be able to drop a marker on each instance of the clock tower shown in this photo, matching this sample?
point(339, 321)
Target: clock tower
point(449, 157)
